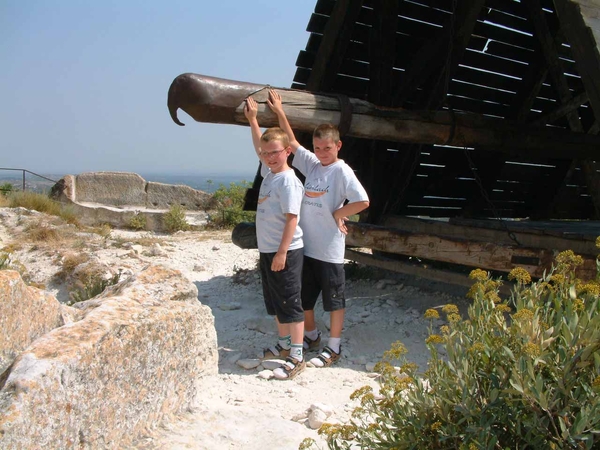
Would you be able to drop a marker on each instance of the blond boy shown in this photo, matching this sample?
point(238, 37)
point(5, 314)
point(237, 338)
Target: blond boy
point(280, 243)
point(329, 184)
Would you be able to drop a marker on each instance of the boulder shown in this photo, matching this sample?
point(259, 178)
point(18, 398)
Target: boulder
point(26, 313)
point(132, 360)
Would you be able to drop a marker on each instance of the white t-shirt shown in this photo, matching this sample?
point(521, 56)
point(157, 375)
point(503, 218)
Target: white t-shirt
point(280, 194)
point(325, 190)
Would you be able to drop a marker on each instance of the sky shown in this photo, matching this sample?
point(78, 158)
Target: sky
point(83, 84)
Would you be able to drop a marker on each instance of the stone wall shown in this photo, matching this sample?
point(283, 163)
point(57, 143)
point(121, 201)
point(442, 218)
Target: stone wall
point(125, 189)
point(115, 197)
point(130, 361)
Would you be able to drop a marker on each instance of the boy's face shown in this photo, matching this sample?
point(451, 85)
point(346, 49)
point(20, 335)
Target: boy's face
point(274, 155)
point(326, 150)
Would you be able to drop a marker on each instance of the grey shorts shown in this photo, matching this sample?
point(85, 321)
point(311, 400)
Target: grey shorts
point(326, 278)
point(281, 290)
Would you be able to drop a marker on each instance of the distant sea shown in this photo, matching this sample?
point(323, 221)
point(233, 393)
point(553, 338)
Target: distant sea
point(203, 182)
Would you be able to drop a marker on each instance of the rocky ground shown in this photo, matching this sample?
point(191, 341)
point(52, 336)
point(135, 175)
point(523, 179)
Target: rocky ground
point(240, 407)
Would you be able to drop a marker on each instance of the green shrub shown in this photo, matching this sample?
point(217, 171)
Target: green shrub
point(5, 261)
point(523, 373)
point(174, 219)
point(228, 203)
point(6, 188)
point(137, 222)
point(93, 286)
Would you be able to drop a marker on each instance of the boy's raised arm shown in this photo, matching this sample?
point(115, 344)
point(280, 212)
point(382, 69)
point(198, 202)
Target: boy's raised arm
point(274, 102)
point(251, 111)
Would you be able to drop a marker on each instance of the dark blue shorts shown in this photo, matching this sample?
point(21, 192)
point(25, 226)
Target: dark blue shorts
point(326, 278)
point(281, 290)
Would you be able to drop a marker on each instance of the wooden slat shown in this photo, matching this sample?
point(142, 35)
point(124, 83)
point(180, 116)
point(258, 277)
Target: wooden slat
point(336, 35)
point(584, 49)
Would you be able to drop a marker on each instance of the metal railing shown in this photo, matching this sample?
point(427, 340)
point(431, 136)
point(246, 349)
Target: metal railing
point(28, 171)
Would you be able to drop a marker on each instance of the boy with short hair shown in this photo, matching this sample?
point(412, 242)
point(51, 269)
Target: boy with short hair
point(329, 183)
point(280, 243)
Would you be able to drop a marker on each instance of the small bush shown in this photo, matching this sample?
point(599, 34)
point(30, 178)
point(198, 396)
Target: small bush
point(104, 230)
point(43, 233)
point(138, 222)
point(6, 188)
point(69, 263)
point(519, 373)
point(228, 203)
point(5, 262)
point(174, 220)
point(37, 202)
point(93, 286)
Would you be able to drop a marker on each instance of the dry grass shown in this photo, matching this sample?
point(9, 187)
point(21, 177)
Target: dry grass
point(43, 233)
point(145, 241)
point(42, 203)
point(69, 262)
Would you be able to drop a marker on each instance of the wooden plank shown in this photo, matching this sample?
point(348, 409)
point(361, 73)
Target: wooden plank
point(469, 75)
point(562, 110)
point(336, 35)
point(476, 106)
point(484, 255)
point(584, 48)
point(383, 52)
point(549, 235)
point(491, 63)
point(442, 276)
point(482, 93)
point(503, 35)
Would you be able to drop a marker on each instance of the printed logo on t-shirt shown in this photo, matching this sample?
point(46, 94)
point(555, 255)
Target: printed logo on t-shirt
point(264, 198)
point(314, 190)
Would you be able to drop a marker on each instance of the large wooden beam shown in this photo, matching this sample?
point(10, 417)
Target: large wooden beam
point(420, 271)
point(448, 248)
point(216, 100)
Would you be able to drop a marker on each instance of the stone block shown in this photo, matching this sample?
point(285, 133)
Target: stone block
point(163, 196)
point(111, 188)
point(26, 313)
point(130, 362)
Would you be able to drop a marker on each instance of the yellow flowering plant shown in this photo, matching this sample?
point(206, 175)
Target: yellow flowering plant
point(519, 372)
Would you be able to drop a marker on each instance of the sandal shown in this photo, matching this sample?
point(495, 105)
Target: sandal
point(326, 358)
point(311, 344)
point(289, 369)
point(277, 352)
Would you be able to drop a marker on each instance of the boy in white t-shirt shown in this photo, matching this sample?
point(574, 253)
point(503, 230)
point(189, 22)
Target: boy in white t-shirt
point(329, 183)
point(280, 243)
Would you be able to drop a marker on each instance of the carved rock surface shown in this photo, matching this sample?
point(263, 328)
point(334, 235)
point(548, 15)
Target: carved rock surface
point(26, 313)
point(162, 195)
point(131, 361)
point(110, 188)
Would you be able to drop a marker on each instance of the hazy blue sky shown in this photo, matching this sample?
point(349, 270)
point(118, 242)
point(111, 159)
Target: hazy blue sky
point(83, 84)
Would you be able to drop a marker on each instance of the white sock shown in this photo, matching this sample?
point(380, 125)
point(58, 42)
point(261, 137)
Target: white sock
point(285, 341)
point(337, 342)
point(312, 335)
point(334, 344)
point(296, 351)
